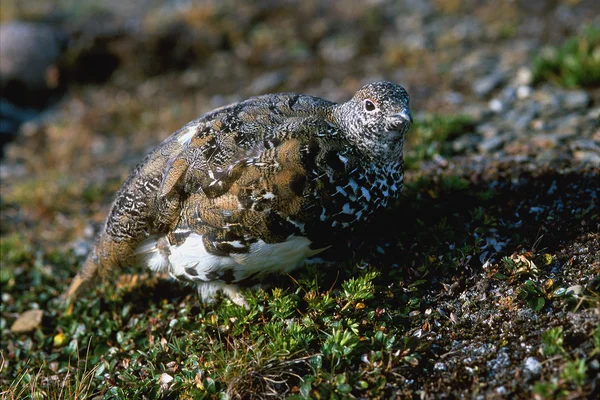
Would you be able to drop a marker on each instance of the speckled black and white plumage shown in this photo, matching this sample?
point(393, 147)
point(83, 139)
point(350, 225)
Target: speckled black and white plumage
point(255, 188)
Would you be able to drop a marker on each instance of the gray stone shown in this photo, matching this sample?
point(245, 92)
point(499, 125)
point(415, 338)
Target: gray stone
point(574, 100)
point(532, 367)
point(487, 130)
point(575, 290)
point(440, 367)
point(27, 50)
point(484, 86)
point(587, 157)
point(524, 92)
point(490, 144)
point(465, 143)
point(549, 101)
point(496, 105)
point(524, 76)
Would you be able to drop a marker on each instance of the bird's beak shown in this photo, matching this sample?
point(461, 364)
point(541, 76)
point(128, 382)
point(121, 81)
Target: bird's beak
point(400, 119)
point(405, 115)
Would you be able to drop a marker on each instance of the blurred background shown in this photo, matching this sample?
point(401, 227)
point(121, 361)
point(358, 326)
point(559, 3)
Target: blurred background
point(502, 167)
point(89, 87)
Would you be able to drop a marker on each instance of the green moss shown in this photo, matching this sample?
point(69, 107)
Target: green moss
point(429, 136)
point(15, 249)
point(574, 64)
point(552, 341)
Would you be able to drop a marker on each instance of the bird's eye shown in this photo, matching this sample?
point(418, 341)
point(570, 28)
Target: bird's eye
point(369, 106)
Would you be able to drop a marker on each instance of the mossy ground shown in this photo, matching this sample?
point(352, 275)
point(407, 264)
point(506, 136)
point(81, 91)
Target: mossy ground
point(503, 257)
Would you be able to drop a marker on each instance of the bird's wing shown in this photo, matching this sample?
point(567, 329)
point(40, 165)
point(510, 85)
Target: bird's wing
point(240, 175)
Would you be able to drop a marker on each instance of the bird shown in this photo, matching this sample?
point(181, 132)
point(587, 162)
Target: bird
point(255, 188)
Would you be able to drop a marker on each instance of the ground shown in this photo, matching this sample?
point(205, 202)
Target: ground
point(483, 281)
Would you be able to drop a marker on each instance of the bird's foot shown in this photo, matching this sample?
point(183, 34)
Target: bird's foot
point(209, 290)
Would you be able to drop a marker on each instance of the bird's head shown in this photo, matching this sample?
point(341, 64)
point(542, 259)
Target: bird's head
point(376, 119)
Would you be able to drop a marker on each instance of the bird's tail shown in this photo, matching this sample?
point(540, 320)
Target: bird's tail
point(103, 259)
point(83, 279)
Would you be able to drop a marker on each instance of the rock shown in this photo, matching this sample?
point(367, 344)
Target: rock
point(465, 143)
point(11, 118)
point(521, 117)
point(484, 86)
point(524, 76)
point(490, 144)
point(575, 290)
point(532, 367)
point(496, 105)
point(27, 322)
point(29, 56)
point(586, 145)
point(488, 130)
point(587, 157)
point(544, 141)
point(454, 98)
point(567, 126)
point(476, 112)
point(440, 367)
point(549, 101)
point(574, 100)
point(165, 381)
point(501, 390)
point(502, 361)
point(508, 95)
point(524, 92)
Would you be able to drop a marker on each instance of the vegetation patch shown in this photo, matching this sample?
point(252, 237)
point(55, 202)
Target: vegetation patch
point(431, 136)
point(574, 64)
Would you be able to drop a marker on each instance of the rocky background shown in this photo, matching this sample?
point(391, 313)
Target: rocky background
point(500, 218)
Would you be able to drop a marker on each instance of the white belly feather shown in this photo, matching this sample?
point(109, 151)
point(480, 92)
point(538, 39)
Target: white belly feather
point(191, 261)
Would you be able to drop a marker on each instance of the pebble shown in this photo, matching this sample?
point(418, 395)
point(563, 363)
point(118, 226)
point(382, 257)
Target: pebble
point(550, 102)
point(501, 390)
point(465, 143)
point(28, 321)
point(496, 105)
point(524, 92)
point(524, 76)
point(532, 367)
point(165, 381)
point(499, 363)
point(575, 100)
point(575, 290)
point(487, 130)
point(27, 50)
point(440, 367)
point(484, 86)
point(490, 144)
point(544, 141)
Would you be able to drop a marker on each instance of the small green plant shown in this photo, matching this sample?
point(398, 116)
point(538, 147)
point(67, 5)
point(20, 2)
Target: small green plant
point(338, 346)
point(428, 135)
point(360, 288)
point(552, 341)
point(575, 372)
point(574, 64)
point(533, 293)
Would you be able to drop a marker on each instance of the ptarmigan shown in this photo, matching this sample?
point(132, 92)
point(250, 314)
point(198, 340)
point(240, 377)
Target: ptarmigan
point(255, 188)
